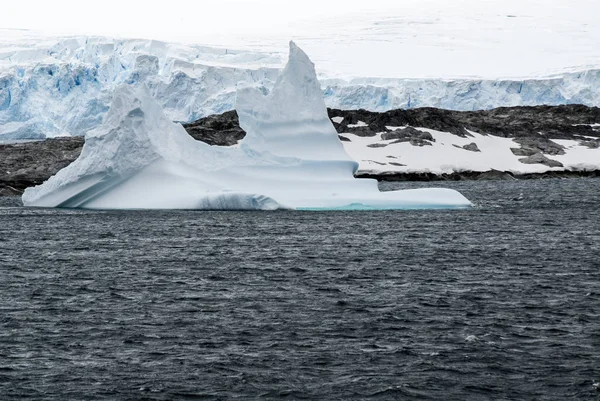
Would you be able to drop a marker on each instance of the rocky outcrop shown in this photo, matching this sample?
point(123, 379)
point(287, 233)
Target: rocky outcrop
point(539, 158)
point(492, 175)
point(409, 134)
point(550, 122)
point(535, 150)
point(532, 145)
point(221, 130)
point(31, 163)
point(471, 147)
point(592, 144)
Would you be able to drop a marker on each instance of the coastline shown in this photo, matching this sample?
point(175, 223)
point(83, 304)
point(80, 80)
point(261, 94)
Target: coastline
point(491, 175)
point(515, 143)
point(16, 188)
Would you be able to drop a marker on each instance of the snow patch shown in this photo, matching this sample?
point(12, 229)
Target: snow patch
point(578, 157)
point(446, 155)
point(358, 125)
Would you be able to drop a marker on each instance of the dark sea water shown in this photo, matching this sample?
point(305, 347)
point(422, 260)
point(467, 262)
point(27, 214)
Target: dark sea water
point(498, 302)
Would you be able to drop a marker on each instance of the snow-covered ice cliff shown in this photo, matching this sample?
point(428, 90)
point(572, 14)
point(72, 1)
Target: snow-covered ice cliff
point(64, 86)
point(291, 157)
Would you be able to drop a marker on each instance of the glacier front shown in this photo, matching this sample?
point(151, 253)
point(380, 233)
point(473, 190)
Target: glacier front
point(291, 158)
point(63, 86)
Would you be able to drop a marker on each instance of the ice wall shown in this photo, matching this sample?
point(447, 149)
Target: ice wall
point(55, 87)
point(66, 88)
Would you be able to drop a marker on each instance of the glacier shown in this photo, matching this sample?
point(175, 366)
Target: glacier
point(64, 86)
point(291, 158)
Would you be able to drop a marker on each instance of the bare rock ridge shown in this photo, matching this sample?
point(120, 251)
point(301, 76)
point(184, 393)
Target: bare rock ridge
point(31, 163)
point(558, 122)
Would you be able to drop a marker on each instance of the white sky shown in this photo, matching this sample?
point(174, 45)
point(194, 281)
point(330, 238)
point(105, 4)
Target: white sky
point(378, 38)
point(179, 20)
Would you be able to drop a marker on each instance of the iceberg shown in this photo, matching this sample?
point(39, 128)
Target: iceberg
point(291, 158)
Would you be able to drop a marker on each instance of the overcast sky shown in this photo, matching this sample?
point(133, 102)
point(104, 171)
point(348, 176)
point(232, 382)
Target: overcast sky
point(383, 38)
point(177, 19)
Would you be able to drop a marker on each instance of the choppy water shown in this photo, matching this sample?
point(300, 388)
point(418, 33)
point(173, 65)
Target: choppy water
point(498, 302)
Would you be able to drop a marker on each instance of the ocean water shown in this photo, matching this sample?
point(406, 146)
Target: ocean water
point(498, 302)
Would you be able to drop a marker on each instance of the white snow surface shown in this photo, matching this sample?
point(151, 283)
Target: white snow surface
point(487, 39)
point(359, 124)
point(290, 158)
point(447, 155)
point(54, 86)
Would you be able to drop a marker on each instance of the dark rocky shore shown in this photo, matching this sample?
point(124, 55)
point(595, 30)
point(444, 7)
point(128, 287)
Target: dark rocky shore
point(556, 122)
point(478, 175)
point(31, 163)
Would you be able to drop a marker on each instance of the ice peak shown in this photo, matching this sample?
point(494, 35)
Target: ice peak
point(291, 120)
point(300, 76)
point(296, 96)
point(296, 53)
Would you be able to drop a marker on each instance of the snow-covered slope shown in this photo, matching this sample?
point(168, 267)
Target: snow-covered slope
point(63, 86)
point(447, 153)
point(291, 157)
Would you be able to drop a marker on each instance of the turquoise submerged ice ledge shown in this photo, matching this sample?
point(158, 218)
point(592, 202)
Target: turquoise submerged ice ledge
point(291, 158)
point(361, 207)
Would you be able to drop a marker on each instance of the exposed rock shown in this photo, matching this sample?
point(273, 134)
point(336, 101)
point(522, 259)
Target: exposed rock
point(533, 145)
point(364, 132)
point(493, 175)
point(397, 164)
point(377, 145)
point(552, 122)
point(31, 163)
point(414, 141)
point(472, 147)
point(525, 152)
point(222, 130)
point(344, 139)
point(560, 174)
point(352, 124)
point(539, 158)
point(409, 134)
point(420, 142)
point(592, 144)
point(9, 191)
